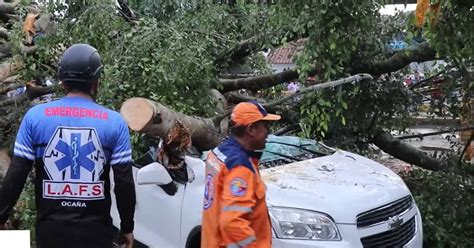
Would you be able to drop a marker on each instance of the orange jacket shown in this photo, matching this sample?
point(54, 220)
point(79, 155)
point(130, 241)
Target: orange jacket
point(235, 211)
point(29, 24)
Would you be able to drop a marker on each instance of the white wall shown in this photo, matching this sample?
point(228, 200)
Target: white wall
point(280, 67)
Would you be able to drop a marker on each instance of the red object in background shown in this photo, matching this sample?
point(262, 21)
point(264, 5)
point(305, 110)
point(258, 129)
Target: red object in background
point(437, 92)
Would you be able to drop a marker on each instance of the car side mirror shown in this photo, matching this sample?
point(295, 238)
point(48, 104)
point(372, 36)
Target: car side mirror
point(154, 173)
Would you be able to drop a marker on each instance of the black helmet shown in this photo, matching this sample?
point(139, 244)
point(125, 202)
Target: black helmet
point(80, 63)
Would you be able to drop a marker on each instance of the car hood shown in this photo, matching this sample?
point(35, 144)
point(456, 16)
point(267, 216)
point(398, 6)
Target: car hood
point(341, 185)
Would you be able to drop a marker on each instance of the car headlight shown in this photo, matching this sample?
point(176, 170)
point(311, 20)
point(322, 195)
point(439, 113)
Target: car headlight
point(292, 223)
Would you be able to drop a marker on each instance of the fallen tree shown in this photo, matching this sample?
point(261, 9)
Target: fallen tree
point(172, 60)
point(156, 120)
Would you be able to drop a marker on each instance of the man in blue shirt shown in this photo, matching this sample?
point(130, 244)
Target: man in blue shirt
point(73, 143)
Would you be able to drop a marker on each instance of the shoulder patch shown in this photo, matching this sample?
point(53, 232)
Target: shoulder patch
point(238, 187)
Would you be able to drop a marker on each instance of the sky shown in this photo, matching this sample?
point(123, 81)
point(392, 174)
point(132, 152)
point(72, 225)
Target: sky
point(393, 8)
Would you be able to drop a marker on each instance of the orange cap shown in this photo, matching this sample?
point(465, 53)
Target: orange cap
point(246, 113)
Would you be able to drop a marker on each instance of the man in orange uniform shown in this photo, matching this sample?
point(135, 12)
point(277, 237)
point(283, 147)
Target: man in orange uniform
point(235, 211)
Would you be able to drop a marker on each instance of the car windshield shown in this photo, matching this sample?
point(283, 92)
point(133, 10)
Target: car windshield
point(281, 150)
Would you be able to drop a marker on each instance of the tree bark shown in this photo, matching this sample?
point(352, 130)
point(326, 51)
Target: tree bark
point(154, 119)
point(4, 33)
point(9, 87)
point(8, 8)
point(399, 60)
point(396, 62)
point(5, 50)
point(4, 163)
point(318, 87)
point(8, 68)
point(242, 49)
point(404, 152)
point(260, 82)
point(11, 79)
point(32, 92)
point(421, 135)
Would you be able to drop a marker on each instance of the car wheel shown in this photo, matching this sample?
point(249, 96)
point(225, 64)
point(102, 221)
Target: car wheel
point(194, 238)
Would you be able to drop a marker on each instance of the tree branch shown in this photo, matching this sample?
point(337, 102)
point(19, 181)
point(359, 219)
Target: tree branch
point(9, 87)
point(318, 87)
point(4, 33)
point(32, 92)
point(242, 49)
point(399, 60)
point(235, 98)
point(8, 8)
point(260, 82)
point(11, 79)
point(287, 129)
point(396, 62)
point(421, 135)
point(404, 152)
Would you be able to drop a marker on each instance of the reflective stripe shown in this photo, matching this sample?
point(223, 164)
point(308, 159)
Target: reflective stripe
point(219, 154)
point(23, 154)
point(242, 243)
point(237, 208)
point(121, 154)
point(23, 147)
point(121, 160)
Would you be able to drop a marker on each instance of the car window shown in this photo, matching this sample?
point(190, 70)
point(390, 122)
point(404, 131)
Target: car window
point(281, 150)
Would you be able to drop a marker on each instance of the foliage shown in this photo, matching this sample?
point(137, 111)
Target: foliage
point(24, 212)
point(446, 202)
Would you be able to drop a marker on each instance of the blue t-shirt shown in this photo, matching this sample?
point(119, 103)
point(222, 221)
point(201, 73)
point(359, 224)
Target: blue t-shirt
point(73, 142)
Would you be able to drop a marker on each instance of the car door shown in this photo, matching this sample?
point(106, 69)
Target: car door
point(193, 200)
point(157, 214)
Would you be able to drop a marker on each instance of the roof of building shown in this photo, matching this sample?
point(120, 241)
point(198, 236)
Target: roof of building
point(283, 55)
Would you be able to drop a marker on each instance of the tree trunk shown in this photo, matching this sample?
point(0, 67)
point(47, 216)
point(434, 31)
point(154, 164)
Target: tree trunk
point(156, 120)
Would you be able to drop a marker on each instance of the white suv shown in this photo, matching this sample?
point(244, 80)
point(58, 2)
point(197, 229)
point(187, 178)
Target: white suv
point(328, 198)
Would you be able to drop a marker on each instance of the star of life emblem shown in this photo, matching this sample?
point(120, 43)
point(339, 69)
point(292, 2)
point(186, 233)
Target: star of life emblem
point(74, 160)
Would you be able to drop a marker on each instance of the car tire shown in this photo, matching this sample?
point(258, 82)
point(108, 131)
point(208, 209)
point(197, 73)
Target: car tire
point(194, 238)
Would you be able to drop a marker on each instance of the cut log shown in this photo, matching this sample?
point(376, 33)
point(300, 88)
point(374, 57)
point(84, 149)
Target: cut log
point(154, 119)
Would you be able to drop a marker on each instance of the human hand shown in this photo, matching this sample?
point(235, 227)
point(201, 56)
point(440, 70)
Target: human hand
point(128, 240)
point(5, 226)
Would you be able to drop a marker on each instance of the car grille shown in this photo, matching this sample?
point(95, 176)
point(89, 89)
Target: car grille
point(383, 213)
point(396, 237)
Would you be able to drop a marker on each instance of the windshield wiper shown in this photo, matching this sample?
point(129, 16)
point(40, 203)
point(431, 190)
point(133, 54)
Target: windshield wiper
point(300, 147)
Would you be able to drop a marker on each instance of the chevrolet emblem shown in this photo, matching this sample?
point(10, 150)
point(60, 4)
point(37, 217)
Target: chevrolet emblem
point(394, 222)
